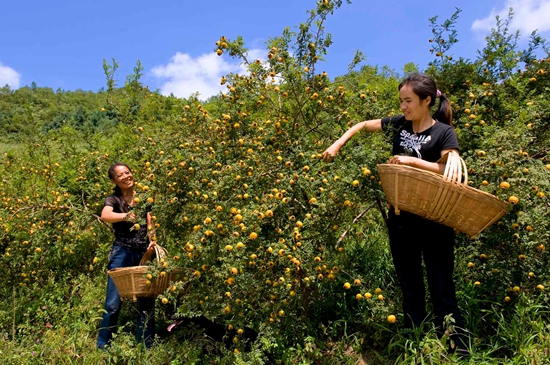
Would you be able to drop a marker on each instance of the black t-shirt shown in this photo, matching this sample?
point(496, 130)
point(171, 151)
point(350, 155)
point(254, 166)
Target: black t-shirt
point(125, 236)
point(426, 145)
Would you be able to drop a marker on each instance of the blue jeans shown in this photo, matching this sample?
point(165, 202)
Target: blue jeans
point(413, 240)
point(121, 257)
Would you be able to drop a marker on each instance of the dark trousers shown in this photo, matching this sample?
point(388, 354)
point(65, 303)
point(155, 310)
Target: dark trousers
point(121, 257)
point(412, 239)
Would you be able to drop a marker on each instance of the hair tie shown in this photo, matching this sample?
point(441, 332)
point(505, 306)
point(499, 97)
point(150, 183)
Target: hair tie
point(438, 93)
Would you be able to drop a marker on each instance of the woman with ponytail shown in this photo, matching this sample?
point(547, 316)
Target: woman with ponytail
point(420, 139)
point(128, 248)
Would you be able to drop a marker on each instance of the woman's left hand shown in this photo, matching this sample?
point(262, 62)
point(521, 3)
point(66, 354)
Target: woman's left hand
point(402, 160)
point(151, 245)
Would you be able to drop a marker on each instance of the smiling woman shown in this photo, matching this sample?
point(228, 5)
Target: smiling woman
point(420, 139)
point(131, 242)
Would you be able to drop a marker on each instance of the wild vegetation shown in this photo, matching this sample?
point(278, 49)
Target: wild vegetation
point(284, 254)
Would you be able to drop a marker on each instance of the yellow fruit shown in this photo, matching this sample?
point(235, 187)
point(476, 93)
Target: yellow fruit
point(507, 299)
point(164, 301)
point(513, 200)
point(347, 286)
point(355, 183)
point(505, 185)
point(391, 318)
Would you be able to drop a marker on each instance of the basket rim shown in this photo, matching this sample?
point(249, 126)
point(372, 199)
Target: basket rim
point(440, 178)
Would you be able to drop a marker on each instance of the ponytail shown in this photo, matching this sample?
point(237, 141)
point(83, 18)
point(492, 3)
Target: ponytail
point(444, 113)
point(117, 191)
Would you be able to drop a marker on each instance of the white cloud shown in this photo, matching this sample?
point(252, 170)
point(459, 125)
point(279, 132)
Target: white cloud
point(9, 76)
point(185, 75)
point(529, 15)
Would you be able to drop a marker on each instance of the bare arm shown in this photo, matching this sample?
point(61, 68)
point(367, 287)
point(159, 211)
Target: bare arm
point(368, 125)
point(107, 215)
point(151, 231)
point(421, 164)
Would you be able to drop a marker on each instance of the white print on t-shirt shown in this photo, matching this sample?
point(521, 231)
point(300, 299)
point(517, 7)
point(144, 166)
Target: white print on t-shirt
point(412, 142)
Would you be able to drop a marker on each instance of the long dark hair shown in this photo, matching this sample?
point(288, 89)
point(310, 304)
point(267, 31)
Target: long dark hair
point(424, 86)
point(112, 175)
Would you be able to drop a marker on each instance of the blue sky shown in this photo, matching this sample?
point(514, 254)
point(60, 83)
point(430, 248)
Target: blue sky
point(61, 44)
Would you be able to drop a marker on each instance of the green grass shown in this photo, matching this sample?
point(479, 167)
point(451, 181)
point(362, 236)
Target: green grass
point(520, 335)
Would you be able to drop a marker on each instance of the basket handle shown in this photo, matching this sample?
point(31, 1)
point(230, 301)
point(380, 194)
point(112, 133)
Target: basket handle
point(454, 168)
point(158, 251)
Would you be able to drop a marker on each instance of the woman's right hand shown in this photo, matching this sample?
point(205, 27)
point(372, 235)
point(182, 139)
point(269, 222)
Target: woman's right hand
point(129, 217)
point(331, 152)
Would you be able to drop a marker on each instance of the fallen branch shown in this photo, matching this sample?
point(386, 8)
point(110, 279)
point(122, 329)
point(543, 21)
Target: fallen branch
point(382, 210)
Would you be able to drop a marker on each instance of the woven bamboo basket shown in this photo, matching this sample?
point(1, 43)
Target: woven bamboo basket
point(446, 198)
point(131, 282)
